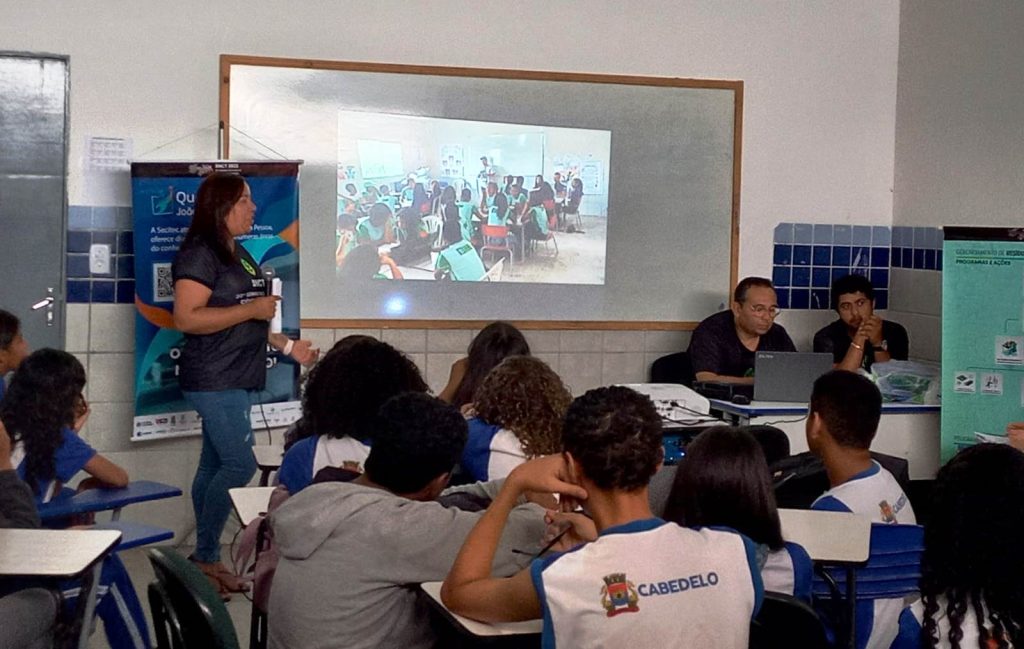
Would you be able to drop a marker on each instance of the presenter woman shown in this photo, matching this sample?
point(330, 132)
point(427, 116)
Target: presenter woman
point(221, 306)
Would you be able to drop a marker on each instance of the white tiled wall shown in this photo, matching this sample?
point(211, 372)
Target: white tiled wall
point(102, 336)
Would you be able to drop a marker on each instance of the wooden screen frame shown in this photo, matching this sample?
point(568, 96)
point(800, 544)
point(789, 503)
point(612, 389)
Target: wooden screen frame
point(736, 86)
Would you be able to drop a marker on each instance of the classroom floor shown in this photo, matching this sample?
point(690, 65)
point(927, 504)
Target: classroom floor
point(142, 574)
point(581, 257)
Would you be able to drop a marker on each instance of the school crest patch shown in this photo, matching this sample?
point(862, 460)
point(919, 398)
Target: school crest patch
point(618, 595)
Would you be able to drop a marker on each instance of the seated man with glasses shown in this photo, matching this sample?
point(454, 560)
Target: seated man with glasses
point(723, 346)
point(860, 338)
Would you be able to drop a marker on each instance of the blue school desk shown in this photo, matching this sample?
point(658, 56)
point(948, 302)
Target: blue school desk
point(98, 500)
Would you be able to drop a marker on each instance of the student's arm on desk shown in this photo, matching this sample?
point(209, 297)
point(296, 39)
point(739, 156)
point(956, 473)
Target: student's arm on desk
point(110, 474)
point(469, 588)
point(711, 376)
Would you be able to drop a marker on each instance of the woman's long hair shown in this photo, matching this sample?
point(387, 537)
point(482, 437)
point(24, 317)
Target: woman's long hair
point(528, 398)
point(972, 548)
point(217, 194)
point(493, 344)
point(44, 397)
point(723, 480)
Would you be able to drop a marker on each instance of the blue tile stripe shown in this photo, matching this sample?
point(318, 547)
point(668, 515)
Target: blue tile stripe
point(88, 225)
point(808, 257)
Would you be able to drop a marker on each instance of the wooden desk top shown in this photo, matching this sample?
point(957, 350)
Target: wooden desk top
point(250, 502)
point(482, 629)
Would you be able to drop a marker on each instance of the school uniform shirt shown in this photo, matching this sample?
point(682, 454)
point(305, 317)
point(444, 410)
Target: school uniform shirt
point(835, 339)
point(368, 231)
point(234, 358)
point(788, 571)
point(71, 457)
point(650, 583)
point(911, 629)
point(462, 262)
point(874, 493)
point(466, 218)
point(307, 456)
point(491, 452)
point(715, 347)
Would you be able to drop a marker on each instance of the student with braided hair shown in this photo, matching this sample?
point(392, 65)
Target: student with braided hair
point(972, 577)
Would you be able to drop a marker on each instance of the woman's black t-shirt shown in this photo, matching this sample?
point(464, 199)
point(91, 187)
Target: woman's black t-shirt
point(234, 358)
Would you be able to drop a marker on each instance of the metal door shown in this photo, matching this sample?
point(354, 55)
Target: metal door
point(33, 203)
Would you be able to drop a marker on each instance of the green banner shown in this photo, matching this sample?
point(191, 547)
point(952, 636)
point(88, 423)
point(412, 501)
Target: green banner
point(982, 335)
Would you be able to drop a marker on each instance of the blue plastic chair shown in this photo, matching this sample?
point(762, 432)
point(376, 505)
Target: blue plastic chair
point(893, 570)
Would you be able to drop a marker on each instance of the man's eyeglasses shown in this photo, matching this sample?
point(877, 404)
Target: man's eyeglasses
point(762, 310)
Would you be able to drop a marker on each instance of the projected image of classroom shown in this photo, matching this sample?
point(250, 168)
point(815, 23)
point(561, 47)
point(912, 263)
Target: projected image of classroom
point(443, 199)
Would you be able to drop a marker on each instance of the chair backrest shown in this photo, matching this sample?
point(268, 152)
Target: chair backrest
point(673, 368)
point(773, 441)
point(190, 599)
point(893, 568)
point(493, 233)
point(785, 621)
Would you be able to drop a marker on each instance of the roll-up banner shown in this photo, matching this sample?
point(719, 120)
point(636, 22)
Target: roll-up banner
point(982, 335)
point(163, 200)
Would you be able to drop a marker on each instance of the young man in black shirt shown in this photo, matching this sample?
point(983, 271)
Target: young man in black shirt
point(860, 338)
point(724, 345)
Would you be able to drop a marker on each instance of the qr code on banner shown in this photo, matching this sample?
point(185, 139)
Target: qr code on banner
point(163, 284)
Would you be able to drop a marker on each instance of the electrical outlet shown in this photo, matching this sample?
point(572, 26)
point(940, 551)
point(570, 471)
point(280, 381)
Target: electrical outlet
point(99, 259)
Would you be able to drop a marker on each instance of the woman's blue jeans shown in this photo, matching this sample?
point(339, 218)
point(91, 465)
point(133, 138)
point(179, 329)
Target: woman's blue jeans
point(225, 462)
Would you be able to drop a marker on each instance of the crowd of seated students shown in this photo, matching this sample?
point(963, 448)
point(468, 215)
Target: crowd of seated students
point(375, 217)
point(367, 512)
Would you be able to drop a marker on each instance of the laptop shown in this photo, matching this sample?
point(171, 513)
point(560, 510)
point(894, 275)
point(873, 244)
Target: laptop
point(788, 376)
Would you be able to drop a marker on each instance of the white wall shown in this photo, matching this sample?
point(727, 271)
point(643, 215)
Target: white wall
point(959, 136)
point(818, 131)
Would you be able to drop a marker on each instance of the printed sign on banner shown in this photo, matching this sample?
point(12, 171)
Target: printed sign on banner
point(163, 201)
point(982, 335)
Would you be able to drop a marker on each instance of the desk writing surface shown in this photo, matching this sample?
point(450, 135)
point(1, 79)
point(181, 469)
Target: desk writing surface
point(97, 500)
point(759, 408)
point(52, 553)
point(831, 537)
point(250, 502)
point(268, 455)
point(483, 629)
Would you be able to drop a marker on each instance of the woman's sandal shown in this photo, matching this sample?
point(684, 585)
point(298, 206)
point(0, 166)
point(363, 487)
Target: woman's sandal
point(223, 581)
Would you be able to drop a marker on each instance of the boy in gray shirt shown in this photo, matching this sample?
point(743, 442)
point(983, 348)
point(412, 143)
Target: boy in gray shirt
point(353, 553)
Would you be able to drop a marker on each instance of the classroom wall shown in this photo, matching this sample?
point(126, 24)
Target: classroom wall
point(819, 118)
point(959, 136)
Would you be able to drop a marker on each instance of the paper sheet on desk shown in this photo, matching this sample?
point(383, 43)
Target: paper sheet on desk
point(985, 438)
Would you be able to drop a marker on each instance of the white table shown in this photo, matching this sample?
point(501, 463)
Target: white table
point(250, 502)
point(828, 537)
point(58, 554)
point(909, 431)
point(482, 629)
point(268, 459)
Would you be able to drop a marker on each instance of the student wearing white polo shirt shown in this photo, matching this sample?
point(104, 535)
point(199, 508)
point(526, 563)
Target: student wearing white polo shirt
point(643, 582)
point(844, 413)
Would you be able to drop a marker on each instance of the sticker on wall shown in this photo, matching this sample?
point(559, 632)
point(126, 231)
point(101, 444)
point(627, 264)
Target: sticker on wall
point(1010, 350)
point(965, 382)
point(992, 383)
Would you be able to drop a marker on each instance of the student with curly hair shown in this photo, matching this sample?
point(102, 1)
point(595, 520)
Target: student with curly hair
point(641, 582)
point(519, 411)
point(343, 393)
point(495, 342)
point(972, 577)
point(43, 410)
point(723, 481)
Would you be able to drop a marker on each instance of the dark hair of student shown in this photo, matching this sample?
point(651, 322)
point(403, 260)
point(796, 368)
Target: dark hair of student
point(849, 284)
point(451, 232)
point(519, 181)
point(302, 428)
point(418, 438)
point(525, 396)
point(361, 263)
point(9, 328)
point(217, 194)
point(615, 435)
point(43, 398)
point(972, 548)
point(347, 221)
point(747, 283)
point(850, 405)
point(379, 214)
point(723, 480)
point(420, 200)
point(347, 387)
point(495, 342)
point(465, 195)
point(449, 210)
